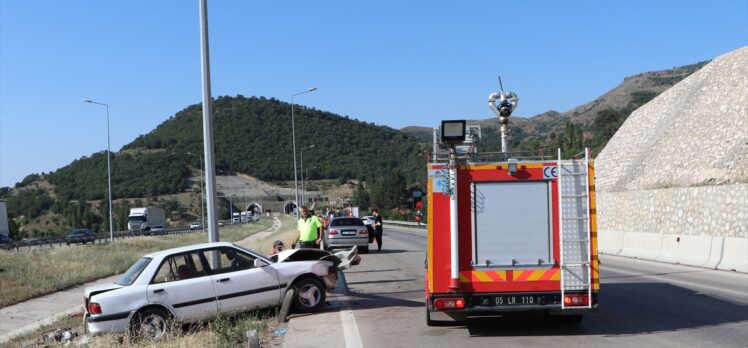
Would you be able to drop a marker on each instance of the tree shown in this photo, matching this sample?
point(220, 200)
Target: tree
point(571, 140)
point(604, 126)
point(361, 197)
point(389, 192)
point(14, 233)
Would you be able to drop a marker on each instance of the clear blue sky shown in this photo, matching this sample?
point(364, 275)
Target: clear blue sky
point(395, 63)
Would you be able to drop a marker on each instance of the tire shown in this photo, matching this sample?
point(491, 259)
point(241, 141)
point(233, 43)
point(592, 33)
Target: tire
point(364, 250)
point(573, 319)
point(430, 322)
point(310, 295)
point(151, 324)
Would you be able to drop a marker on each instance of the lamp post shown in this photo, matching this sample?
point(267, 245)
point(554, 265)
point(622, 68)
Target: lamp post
point(293, 136)
point(301, 157)
point(303, 180)
point(108, 167)
point(202, 191)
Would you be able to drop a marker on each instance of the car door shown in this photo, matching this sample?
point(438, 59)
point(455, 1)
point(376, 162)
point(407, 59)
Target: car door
point(239, 285)
point(184, 283)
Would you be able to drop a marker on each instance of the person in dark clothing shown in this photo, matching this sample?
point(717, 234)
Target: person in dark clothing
point(377, 229)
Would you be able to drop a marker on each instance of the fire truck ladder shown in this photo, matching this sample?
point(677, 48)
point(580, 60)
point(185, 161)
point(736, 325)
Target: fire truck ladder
point(574, 224)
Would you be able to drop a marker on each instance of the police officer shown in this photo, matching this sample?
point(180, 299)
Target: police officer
point(308, 227)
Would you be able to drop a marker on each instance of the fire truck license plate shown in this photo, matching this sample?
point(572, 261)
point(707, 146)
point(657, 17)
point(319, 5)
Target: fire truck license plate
point(516, 300)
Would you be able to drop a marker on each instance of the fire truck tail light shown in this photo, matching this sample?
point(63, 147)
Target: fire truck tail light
point(94, 308)
point(576, 300)
point(449, 303)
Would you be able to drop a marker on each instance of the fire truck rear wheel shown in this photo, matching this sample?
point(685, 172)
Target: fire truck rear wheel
point(430, 322)
point(573, 319)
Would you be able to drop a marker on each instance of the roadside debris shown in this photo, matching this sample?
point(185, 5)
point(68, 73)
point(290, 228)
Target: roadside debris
point(62, 335)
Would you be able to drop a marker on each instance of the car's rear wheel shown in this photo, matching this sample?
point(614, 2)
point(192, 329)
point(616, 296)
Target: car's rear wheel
point(151, 324)
point(310, 295)
point(364, 249)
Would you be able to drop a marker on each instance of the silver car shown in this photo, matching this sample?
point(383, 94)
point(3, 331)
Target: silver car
point(196, 282)
point(346, 232)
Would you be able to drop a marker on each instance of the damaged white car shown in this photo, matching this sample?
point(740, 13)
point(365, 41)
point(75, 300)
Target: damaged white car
point(200, 281)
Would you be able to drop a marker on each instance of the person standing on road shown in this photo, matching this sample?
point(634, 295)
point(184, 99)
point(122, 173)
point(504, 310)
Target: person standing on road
point(308, 228)
point(377, 229)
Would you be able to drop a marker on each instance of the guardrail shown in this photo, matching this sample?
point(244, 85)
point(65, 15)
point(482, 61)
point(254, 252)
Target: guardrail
point(98, 238)
point(404, 223)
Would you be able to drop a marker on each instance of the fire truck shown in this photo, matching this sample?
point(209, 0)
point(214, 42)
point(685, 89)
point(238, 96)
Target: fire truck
point(508, 232)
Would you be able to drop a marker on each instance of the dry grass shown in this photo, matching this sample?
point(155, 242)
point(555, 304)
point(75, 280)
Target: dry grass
point(219, 332)
point(25, 275)
point(287, 233)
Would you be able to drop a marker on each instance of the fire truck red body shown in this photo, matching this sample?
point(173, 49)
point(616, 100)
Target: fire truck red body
point(523, 243)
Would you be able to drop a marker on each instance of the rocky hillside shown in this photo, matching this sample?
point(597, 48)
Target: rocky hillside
point(694, 134)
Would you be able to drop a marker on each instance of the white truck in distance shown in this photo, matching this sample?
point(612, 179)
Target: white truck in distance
point(142, 219)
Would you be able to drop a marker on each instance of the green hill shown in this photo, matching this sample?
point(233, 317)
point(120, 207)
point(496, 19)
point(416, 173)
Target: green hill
point(253, 136)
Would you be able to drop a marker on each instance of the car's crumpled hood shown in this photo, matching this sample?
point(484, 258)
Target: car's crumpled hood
point(99, 288)
point(342, 259)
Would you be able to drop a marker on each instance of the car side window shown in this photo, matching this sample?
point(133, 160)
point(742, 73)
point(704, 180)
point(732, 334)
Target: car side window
point(179, 267)
point(232, 260)
point(197, 264)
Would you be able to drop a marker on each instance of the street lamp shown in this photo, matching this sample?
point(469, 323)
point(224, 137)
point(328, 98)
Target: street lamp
point(301, 157)
point(202, 190)
point(108, 167)
point(303, 180)
point(293, 136)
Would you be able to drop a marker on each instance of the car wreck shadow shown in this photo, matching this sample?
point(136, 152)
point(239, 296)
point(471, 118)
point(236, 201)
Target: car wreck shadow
point(625, 309)
point(403, 298)
point(382, 281)
point(373, 251)
point(372, 270)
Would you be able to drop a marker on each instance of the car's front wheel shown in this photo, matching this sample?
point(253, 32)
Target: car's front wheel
point(151, 324)
point(310, 295)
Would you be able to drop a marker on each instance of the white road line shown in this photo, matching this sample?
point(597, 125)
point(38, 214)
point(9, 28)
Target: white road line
point(687, 284)
point(347, 318)
point(350, 329)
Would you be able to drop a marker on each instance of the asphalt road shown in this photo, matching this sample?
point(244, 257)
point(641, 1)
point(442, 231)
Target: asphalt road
point(642, 304)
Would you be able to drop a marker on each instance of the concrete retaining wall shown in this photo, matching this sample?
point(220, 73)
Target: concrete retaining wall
point(700, 226)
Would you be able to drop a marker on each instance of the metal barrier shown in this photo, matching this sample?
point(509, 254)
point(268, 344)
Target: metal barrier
point(99, 238)
point(405, 223)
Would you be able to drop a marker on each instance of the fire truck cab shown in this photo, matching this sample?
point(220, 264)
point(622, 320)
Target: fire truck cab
point(508, 233)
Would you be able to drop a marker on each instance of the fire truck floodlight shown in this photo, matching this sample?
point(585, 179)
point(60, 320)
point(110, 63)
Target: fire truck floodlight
point(453, 131)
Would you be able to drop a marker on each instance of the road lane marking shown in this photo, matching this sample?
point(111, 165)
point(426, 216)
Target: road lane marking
point(347, 319)
point(350, 329)
point(686, 284)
